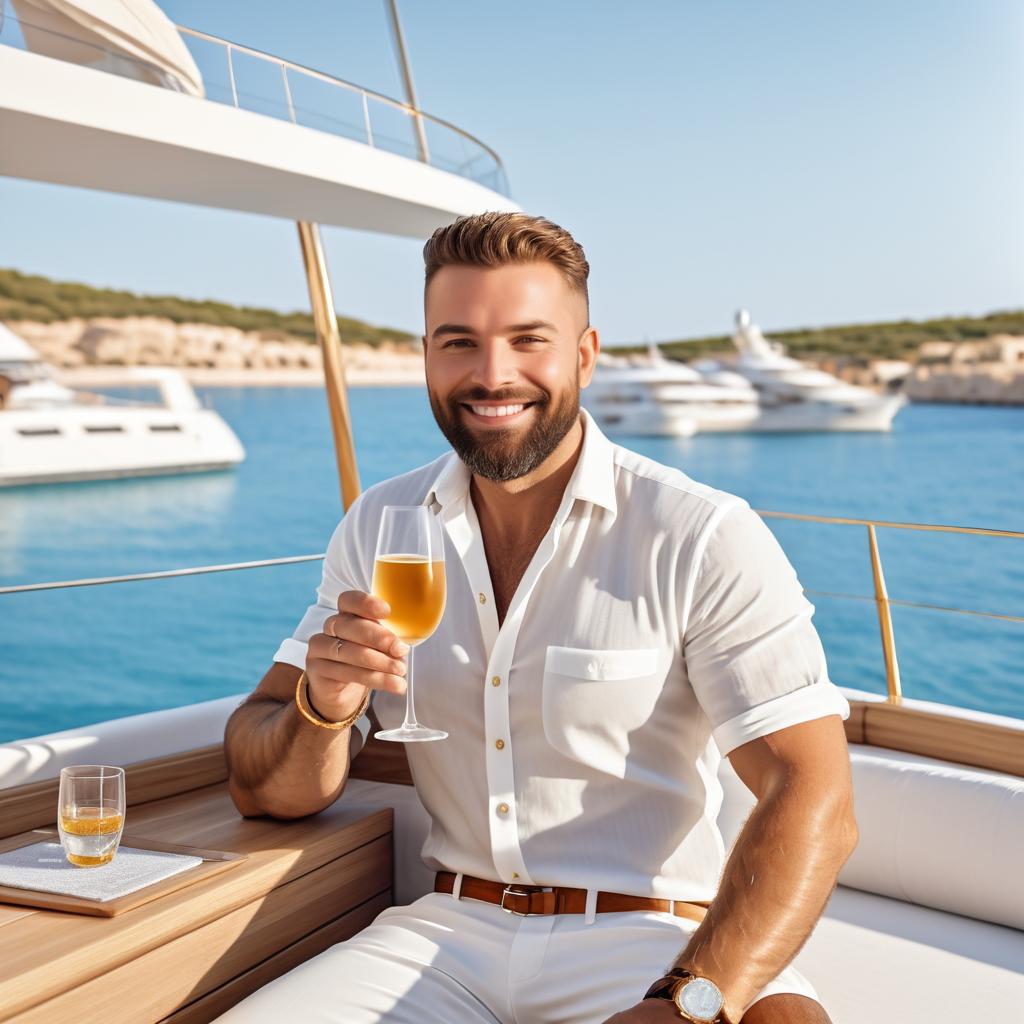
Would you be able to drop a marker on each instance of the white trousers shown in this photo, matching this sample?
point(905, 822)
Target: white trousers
point(448, 961)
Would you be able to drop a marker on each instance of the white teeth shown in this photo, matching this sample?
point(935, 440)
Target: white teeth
point(500, 410)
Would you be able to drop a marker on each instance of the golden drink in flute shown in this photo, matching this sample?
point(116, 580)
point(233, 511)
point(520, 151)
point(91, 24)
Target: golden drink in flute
point(414, 587)
point(90, 813)
point(408, 573)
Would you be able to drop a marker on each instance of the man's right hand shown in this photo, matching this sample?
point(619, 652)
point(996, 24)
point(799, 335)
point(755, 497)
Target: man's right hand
point(354, 653)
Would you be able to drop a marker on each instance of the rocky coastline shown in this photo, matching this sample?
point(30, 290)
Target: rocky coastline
point(86, 350)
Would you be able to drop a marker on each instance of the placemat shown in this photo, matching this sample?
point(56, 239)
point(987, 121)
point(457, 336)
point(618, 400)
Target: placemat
point(42, 867)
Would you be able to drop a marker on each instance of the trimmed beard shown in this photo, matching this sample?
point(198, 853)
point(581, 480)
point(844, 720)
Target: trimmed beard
point(499, 456)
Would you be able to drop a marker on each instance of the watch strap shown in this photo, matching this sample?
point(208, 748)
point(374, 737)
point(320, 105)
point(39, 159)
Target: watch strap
point(664, 987)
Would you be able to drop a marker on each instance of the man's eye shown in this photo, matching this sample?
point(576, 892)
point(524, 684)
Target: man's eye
point(539, 341)
point(457, 342)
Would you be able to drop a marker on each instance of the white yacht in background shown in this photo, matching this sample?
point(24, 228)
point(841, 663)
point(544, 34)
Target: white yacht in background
point(650, 395)
point(793, 396)
point(764, 390)
point(50, 434)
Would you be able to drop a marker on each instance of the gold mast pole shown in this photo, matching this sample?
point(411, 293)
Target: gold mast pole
point(892, 667)
point(410, 91)
point(329, 337)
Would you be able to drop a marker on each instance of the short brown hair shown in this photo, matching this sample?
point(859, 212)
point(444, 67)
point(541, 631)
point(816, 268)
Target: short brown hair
point(497, 239)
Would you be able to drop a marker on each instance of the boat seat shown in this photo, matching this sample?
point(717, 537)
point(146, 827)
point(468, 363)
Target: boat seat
point(926, 923)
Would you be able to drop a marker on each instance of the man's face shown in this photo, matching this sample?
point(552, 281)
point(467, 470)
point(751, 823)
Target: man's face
point(507, 350)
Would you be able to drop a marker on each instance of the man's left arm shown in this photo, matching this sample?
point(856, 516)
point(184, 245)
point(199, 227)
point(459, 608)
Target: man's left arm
point(783, 866)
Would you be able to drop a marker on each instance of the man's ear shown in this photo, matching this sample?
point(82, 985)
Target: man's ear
point(590, 345)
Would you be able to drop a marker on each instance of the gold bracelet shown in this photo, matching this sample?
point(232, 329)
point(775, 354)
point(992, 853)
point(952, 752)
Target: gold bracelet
point(308, 712)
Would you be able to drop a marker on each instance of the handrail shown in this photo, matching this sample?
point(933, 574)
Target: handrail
point(304, 69)
point(161, 575)
point(882, 600)
point(334, 80)
point(880, 597)
point(929, 527)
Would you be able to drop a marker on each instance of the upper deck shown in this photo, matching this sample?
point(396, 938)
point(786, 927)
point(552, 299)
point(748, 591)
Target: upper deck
point(269, 137)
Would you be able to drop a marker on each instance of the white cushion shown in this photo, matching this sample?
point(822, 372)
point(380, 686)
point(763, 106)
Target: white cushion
point(878, 960)
point(931, 832)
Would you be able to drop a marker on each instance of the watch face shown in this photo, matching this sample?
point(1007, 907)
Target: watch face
point(700, 999)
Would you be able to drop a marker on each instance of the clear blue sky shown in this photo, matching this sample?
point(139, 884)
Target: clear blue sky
point(818, 162)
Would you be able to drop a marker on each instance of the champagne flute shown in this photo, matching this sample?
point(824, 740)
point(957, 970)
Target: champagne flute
point(408, 573)
point(90, 813)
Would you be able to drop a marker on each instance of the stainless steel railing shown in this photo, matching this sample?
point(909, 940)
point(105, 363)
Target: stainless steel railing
point(475, 160)
point(880, 596)
point(293, 99)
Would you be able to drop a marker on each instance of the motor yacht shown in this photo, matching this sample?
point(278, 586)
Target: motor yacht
point(926, 925)
point(651, 395)
point(763, 390)
point(793, 396)
point(50, 433)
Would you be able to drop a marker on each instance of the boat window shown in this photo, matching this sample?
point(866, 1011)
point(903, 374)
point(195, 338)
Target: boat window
point(164, 428)
point(38, 431)
point(113, 429)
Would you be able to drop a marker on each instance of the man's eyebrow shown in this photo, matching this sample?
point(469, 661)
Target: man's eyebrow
point(533, 325)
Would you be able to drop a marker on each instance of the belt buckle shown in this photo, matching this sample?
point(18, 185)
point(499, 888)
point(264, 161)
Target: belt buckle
point(512, 890)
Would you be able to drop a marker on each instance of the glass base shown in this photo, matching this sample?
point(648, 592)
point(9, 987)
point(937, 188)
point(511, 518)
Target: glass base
point(417, 734)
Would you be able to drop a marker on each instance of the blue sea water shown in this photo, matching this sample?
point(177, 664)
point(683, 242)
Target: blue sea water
point(73, 657)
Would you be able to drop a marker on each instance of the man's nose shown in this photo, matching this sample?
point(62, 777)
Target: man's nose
point(494, 367)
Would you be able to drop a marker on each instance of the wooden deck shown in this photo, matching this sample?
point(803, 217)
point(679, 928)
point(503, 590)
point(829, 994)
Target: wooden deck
point(189, 955)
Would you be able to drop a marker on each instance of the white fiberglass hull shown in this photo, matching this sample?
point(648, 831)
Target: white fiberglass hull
point(871, 416)
point(643, 419)
point(96, 442)
point(683, 419)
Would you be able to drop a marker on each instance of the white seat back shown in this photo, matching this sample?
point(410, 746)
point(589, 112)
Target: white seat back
point(932, 832)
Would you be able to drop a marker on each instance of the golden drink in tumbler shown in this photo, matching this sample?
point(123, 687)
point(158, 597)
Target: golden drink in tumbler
point(90, 813)
point(90, 835)
point(414, 587)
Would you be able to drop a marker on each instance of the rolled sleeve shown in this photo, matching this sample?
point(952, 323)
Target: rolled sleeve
point(753, 657)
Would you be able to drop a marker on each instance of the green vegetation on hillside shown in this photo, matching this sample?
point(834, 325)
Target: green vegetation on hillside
point(29, 297)
point(898, 340)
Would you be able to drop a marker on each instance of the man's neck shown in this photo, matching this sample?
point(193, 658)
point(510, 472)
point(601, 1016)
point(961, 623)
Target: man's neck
point(516, 508)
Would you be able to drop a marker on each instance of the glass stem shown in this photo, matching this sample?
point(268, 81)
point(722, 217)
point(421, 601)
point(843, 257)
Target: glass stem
point(410, 706)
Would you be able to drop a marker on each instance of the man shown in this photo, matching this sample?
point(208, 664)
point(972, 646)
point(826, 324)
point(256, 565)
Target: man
point(612, 627)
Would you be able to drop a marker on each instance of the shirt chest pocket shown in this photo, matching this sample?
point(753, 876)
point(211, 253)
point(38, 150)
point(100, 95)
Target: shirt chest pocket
point(594, 699)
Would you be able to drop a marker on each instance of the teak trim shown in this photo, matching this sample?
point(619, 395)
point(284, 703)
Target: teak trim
point(34, 805)
point(896, 726)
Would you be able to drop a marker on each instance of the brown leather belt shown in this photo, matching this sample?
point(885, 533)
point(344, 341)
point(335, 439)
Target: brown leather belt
point(526, 900)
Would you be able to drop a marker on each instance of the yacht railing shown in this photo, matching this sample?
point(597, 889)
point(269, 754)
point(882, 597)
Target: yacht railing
point(236, 75)
point(880, 596)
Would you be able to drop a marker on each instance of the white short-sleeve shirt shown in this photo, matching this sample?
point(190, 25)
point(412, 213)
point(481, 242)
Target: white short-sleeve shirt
point(658, 627)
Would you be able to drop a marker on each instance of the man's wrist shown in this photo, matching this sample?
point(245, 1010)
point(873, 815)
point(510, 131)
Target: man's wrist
point(704, 1001)
point(304, 703)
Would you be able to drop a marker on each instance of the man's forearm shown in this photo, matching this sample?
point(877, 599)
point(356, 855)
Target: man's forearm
point(775, 886)
point(286, 765)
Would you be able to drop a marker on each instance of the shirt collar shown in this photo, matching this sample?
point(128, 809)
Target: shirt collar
point(592, 480)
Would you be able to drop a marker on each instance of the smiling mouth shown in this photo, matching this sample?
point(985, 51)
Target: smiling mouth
point(496, 414)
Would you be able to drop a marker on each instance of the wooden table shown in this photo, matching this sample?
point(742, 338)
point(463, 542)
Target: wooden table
point(186, 957)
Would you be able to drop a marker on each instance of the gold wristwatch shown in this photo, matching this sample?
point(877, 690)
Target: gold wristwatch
point(695, 998)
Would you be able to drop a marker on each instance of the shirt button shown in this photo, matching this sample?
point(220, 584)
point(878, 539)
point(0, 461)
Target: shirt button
point(483, 599)
point(495, 680)
point(500, 744)
point(592, 668)
point(503, 808)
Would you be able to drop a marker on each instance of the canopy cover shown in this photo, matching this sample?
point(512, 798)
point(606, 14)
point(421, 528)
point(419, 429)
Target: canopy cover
point(14, 350)
point(131, 38)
